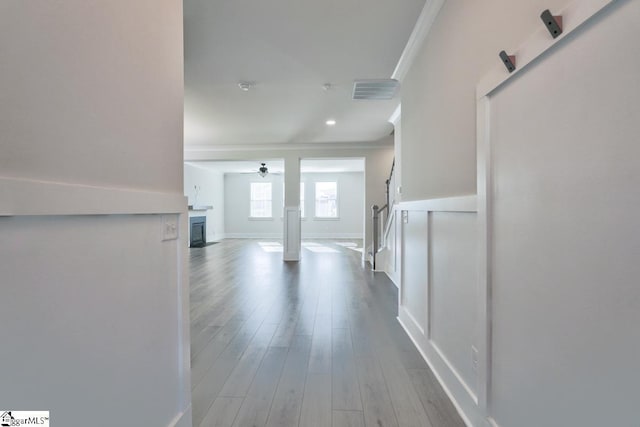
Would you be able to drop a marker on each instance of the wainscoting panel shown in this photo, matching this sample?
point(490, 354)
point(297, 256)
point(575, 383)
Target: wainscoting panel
point(438, 291)
point(393, 247)
point(90, 330)
point(96, 320)
point(292, 233)
point(416, 269)
point(453, 293)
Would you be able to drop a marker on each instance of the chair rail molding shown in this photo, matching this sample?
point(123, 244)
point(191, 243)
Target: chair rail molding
point(20, 196)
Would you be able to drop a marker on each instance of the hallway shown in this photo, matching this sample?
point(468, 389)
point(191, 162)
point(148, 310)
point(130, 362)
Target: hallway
point(314, 343)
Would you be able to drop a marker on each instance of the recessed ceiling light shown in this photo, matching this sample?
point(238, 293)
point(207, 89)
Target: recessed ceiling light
point(330, 122)
point(245, 86)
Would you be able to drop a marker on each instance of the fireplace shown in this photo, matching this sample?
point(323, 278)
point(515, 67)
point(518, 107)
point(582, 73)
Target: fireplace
point(198, 231)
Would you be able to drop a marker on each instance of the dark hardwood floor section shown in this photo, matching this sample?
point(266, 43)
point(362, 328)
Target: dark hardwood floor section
point(309, 344)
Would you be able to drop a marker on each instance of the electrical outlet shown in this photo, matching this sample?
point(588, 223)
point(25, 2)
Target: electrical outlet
point(474, 358)
point(405, 217)
point(169, 227)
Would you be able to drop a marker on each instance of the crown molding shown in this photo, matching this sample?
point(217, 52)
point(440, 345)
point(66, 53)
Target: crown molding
point(394, 119)
point(418, 35)
point(288, 147)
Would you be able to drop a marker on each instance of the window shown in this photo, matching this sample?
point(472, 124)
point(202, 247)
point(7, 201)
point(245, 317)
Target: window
point(326, 199)
point(302, 200)
point(260, 200)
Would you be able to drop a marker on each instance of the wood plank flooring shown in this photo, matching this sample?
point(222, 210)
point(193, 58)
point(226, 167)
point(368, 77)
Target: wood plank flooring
point(308, 344)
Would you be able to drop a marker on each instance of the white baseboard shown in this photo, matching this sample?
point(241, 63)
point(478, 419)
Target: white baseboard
point(413, 331)
point(253, 236)
point(182, 420)
point(332, 235)
point(216, 238)
point(279, 236)
point(393, 279)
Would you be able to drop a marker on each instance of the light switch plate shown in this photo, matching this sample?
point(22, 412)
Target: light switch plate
point(169, 227)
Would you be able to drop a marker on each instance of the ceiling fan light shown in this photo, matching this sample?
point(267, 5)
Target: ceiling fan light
point(263, 171)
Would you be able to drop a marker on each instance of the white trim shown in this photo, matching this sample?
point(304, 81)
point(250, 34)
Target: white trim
point(448, 204)
point(291, 234)
point(416, 39)
point(357, 236)
point(573, 16)
point(445, 385)
point(277, 236)
point(183, 419)
point(453, 370)
point(394, 119)
point(304, 218)
point(404, 312)
point(484, 272)
point(365, 145)
point(260, 218)
point(20, 196)
point(184, 317)
point(393, 280)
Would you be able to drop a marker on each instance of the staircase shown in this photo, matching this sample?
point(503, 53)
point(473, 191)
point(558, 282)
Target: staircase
point(383, 224)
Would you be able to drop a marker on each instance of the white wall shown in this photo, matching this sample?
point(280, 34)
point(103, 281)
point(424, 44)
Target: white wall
point(99, 82)
point(237, 190)
point(350, 206)
point(95, 296)
point(438, 93)
point(210, 193)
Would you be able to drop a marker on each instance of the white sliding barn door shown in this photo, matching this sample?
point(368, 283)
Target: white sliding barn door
point(561, 140)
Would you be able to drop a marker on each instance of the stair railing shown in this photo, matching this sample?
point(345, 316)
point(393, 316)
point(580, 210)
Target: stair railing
point(377, 216)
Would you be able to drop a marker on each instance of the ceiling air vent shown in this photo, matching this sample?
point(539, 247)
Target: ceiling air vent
point(380, 89)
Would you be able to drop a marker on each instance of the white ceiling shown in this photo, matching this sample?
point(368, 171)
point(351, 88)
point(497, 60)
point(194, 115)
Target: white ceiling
point(331, 165)
point(277, 166)
point(290, 48)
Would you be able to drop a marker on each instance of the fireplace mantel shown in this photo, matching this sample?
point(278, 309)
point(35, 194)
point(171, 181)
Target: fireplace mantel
point(199, 208)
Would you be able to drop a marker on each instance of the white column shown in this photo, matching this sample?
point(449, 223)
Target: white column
point(291, 238)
